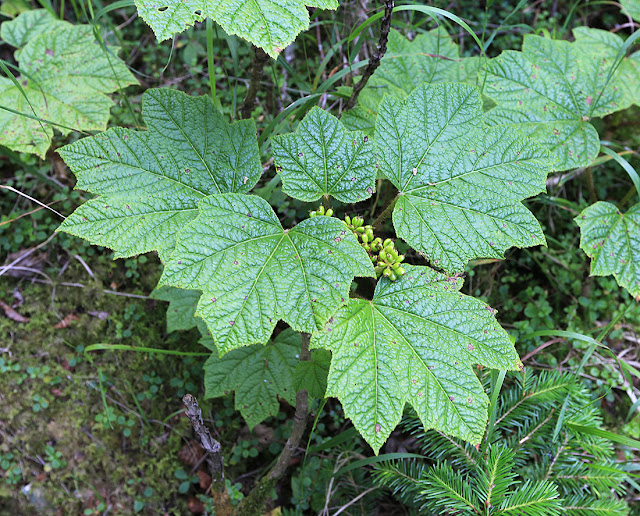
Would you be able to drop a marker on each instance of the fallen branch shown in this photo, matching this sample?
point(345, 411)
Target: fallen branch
point(221, 500)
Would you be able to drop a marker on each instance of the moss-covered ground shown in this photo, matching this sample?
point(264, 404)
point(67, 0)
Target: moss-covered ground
point(83, 433)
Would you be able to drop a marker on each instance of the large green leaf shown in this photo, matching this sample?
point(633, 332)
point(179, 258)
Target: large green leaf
point(603, 43)
point(460, 183)
point(321, 159)
point(29, 25)
point(632, 8)
point(258, 374)
point(270, 24)
point(149, 182)
point(430, 58)
point(415, 342)
point(551, 90)
point(66, 77)
point(612, 240)
point(252, 272)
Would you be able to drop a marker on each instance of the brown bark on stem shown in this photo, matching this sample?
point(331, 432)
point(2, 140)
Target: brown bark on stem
point(260, 59)
point(254, 503)
point(374, 62)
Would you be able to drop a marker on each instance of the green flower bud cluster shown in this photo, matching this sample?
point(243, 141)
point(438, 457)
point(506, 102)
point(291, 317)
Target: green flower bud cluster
point(321, 211)
point(384, 255)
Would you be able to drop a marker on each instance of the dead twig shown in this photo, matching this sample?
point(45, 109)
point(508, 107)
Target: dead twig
point(210, 445)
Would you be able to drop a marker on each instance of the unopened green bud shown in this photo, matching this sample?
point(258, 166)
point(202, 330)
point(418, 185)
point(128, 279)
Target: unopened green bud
point(387, 272)
point(387, 242)
point(329, 213)
point(321, 210)
point(365, 238)
point(382, 255)
point(400, 271)
point(392, 276)
point(347, 220)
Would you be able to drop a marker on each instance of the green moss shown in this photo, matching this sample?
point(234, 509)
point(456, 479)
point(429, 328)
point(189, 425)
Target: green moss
point(72, 452)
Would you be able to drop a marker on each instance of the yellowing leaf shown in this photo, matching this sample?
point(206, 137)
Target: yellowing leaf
point(149, 182)
point(66, 79)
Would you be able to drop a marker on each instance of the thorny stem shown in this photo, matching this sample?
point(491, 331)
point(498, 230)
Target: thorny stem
point(254, 503)
point(374, 62)
point(260, 59)
point(385, 214)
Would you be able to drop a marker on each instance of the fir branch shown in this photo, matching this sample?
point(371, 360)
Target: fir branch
point(533, 499)
point(536, 428)
point(445, 488)
point(555, 457)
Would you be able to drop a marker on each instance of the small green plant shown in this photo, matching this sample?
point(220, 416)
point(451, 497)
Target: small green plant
point(39, 403)
point(543, 454)
point(11, 470)
point(234, 490)
point(54, 459)
point(186, 480)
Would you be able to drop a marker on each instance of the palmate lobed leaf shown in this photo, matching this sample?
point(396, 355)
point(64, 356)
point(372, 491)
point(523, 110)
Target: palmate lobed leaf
point(261, 375)
point(460, 182)
point(258, 374)
point(311, 375)
point(603, 43)
point(415, 342)
point(149, 182)
point(612, 240)
point(66, 79)
point(551, 89)
point(252, 272)
point(29, 25)
point(323, 159)
point(432, 57)
point(270, 24)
